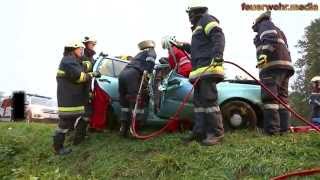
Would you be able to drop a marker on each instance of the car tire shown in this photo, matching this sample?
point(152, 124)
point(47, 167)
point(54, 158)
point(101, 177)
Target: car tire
point(238, 114)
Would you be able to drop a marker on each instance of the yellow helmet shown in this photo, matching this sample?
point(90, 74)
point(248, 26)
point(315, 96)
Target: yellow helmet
point(125, 57)
point(74, 44)
point(146, 44)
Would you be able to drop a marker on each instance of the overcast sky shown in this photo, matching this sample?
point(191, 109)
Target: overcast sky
point(33, 32)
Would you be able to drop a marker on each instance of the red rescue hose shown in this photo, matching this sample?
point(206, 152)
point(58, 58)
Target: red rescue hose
point(172, 119)
point(277, 98)
point(307, 172)
point(180, 108)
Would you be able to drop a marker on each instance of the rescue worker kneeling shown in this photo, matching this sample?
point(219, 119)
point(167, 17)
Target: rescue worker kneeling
point(207, 46)
point(129, 83)
point(275, 70)
point(72, 96)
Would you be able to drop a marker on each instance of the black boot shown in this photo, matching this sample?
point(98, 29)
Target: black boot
point(193, 137)
point(124, 129)
point(284, 120)
point(80, 131)
point(198, 131)
point(214, 124)
point(271, 121)
point(58, 140)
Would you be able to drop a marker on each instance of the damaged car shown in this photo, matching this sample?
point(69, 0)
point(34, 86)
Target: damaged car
point(239, 100)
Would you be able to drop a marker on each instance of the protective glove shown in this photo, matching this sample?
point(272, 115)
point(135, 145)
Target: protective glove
point(218, 61)
point(95, 74)
point(261, 60)
point(87, 66)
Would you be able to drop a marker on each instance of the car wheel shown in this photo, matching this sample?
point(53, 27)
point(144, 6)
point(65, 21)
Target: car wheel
point(238, 114)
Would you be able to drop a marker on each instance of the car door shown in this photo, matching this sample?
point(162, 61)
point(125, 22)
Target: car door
point(174, 88)
point(110, 69)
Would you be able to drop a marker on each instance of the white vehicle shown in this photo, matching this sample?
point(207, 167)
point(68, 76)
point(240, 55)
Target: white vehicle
point(5, 112)
point(40, 107)
point(5, 108)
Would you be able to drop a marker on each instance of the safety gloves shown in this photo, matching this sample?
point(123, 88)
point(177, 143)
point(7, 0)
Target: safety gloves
point(95, 74)
point(261, 60)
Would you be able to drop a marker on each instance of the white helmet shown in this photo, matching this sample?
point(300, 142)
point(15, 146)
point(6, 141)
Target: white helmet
point(315, 79)
point(196, 4)
point(166, 41)
point(89, 39)
point(74, 44)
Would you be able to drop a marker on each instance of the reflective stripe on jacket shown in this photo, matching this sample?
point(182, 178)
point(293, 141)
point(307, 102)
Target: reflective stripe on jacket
point(71, 85)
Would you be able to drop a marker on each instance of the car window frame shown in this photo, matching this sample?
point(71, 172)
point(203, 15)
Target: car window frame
point(114, 73)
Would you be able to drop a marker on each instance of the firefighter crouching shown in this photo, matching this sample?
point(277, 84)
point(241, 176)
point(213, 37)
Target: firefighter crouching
point(129, 83)
point(207, 46)
point(275, 70)
point(71, 95)
point(315, 100)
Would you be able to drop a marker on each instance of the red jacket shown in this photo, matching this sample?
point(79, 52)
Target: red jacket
point(184, 63)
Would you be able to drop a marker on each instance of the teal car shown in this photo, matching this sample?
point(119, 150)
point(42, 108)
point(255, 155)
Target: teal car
point(239, 100)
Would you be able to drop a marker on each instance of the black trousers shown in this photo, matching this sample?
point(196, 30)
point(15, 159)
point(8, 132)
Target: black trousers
point(207, 114)
point(129, 83)
point(69, 123)
point(276, 117)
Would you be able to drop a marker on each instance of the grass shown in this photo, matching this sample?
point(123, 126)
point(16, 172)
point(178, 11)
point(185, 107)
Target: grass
point(25, 153)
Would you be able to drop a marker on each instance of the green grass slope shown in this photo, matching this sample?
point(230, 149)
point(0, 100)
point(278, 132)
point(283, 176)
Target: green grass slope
point(25, 153)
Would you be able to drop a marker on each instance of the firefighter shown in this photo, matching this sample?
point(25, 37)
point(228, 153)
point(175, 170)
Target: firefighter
point(275, 70)
point(177, 58)
point(315, 100)
point(71, 95)
point(87, 62)
point(89, 52)
point(129, 83)
point(206, 49)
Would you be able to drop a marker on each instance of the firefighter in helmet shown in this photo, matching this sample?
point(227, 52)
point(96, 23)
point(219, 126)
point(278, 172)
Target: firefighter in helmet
point(275, 70)
point(129, 83)
point(87, 63)
point(206, 49)
point(71, 95)
point(89, 52)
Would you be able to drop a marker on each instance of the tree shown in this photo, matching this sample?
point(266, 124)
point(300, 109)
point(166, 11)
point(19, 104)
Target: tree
point(307, 66)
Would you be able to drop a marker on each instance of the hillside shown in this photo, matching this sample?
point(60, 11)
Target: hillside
point(25, 153)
